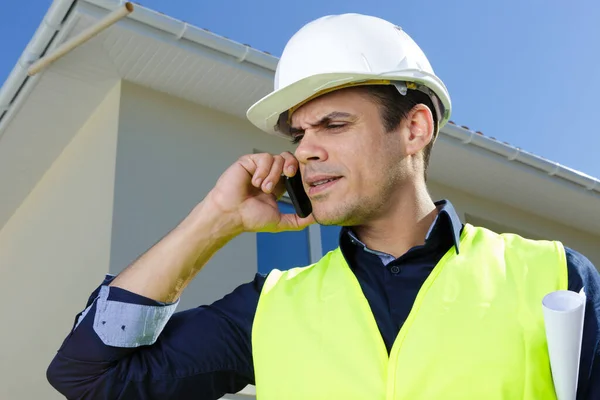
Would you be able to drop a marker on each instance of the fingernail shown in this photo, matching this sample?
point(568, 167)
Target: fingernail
point(258, 181)
point(269, 186)
point(291, 169)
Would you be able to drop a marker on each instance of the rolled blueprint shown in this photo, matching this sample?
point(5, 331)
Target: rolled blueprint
point(563, 318)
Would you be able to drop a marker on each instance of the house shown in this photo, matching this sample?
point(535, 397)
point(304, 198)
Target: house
point(106, 149)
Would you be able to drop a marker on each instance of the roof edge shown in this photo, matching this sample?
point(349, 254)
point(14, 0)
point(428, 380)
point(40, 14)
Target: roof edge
point(183, 30)
point(515, 154)
point(60, 9)
point(35, 49)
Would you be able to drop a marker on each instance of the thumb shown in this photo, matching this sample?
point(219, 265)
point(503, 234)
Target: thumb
point(292, 222)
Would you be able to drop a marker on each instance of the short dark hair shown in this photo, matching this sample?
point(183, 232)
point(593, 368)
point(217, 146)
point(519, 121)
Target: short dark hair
point(395, 107)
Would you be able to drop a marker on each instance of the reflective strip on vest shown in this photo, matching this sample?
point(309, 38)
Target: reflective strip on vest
point(475, 331)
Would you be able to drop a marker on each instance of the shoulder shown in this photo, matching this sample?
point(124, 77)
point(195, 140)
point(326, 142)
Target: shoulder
point(517, 245)
point(299, 276)
point(582, 273)
point(294, 275)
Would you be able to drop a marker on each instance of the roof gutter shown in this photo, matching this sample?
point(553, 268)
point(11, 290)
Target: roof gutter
point(184, 31)
point(80, 38)
point(38, 45)
point(512, 153)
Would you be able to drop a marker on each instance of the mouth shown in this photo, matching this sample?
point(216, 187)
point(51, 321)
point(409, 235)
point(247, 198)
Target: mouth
point(319, 185)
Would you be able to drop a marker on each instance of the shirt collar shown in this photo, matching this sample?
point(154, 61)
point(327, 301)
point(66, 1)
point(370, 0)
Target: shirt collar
point(445, 210)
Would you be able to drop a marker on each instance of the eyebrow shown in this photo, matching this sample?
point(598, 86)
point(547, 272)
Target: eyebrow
point(327, 118)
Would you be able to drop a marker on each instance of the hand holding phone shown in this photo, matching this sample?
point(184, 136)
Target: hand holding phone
point(299, 198)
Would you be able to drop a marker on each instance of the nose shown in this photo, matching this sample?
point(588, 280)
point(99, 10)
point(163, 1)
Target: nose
point(310, 149)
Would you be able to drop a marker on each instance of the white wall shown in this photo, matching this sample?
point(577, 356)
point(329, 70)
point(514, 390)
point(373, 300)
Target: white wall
point(170, 154)
point(497, 216)
point(53, 251)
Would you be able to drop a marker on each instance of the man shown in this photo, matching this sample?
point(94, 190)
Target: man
point(412, 305)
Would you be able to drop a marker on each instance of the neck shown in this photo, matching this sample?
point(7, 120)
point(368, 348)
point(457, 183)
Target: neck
point(404, 224)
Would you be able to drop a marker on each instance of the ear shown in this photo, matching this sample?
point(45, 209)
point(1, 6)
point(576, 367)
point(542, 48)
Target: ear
point(419, 124)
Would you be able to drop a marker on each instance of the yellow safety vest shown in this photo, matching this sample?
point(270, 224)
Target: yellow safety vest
point(475, 331)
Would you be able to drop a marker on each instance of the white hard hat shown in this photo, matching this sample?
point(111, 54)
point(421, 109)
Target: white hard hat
point(345, 50)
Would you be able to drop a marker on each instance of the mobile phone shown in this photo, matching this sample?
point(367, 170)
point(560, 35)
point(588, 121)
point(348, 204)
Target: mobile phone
point(299, 198)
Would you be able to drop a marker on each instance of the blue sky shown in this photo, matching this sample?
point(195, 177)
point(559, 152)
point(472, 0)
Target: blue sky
point(522, 71)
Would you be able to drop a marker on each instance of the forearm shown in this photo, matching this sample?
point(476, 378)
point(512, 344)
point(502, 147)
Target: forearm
point(163, 272)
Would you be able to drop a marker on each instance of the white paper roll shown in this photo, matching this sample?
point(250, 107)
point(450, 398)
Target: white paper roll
point(563, 318)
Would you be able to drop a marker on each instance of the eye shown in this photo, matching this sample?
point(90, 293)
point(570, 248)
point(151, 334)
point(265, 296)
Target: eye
point(296, 138)
point(336, 125)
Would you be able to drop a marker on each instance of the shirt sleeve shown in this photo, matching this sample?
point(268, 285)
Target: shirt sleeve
point(583, 274)
point(126, 346)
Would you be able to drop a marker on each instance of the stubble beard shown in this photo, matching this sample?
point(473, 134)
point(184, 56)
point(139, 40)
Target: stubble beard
point(361, 209)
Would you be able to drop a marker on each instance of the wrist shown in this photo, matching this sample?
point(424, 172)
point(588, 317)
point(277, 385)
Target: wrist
point(208, 218)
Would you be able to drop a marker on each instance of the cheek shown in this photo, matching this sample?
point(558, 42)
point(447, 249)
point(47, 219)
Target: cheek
point(381, 166)
point(365, 159)
point(368, 172)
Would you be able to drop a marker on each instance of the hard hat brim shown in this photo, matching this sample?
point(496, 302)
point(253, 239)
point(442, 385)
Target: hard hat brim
point(265, 113)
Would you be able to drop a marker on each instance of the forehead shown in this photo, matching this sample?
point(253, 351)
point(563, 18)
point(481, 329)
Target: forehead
point(350, 100)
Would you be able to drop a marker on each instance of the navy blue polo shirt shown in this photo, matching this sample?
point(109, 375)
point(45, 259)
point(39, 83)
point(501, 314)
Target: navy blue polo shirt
point(206, 352)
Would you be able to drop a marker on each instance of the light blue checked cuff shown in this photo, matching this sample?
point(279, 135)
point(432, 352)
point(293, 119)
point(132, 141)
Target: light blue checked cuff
point(129, 325)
